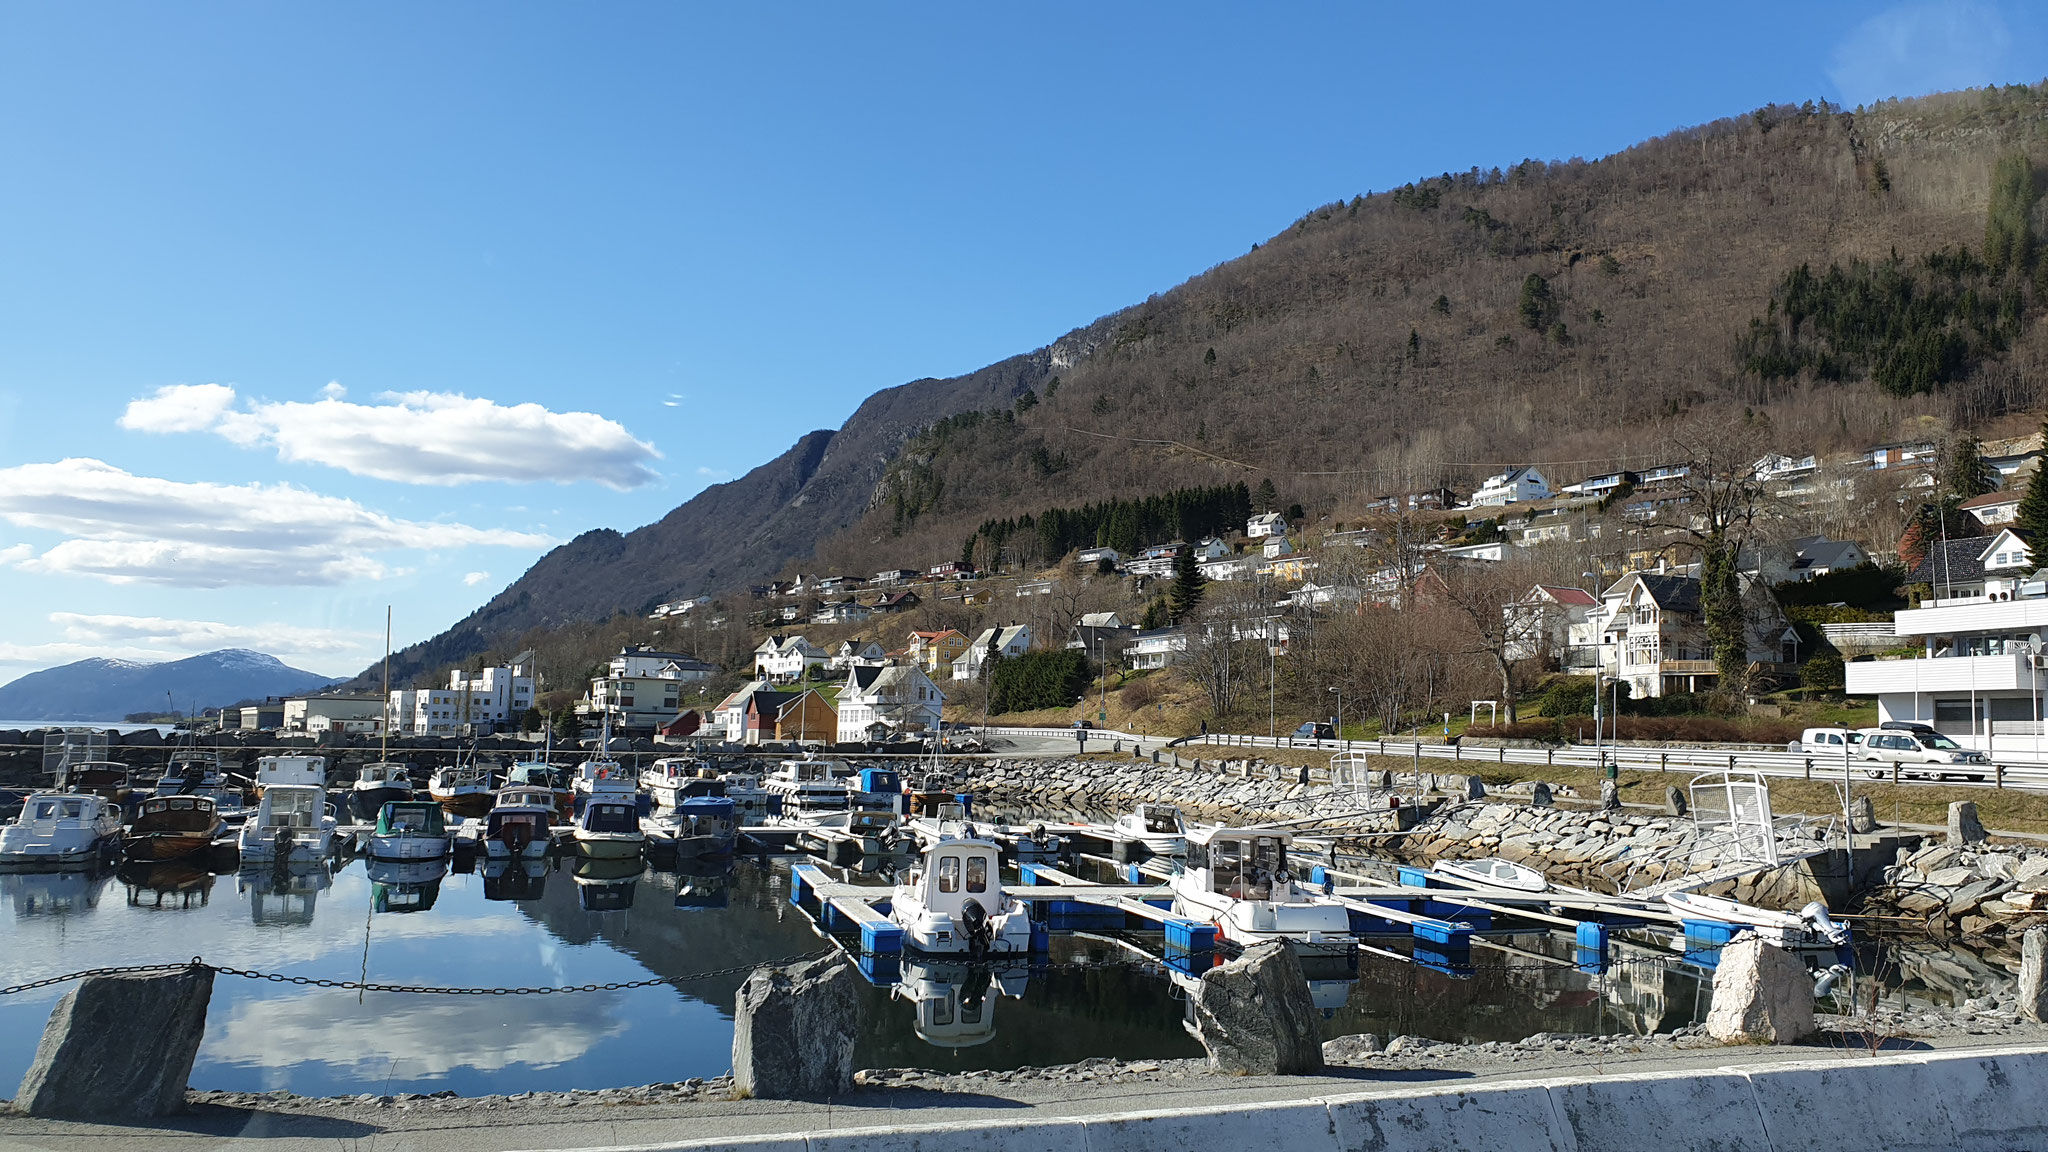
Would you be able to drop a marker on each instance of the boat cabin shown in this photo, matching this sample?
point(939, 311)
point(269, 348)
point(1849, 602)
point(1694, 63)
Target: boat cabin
point(526, 798)
point(291, 806)
point(1160, 819)
point(1241, 864)
point(310, 771)
point(959, 870)
point(420, 817)
point(385, 772)
point(805, 771)
point(610, 818)
point(885, 780)
point(533, 774)
point(176, 814)
point(101, 777)
point(713, 815)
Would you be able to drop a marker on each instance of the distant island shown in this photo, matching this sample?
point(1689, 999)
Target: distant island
point(100, 689)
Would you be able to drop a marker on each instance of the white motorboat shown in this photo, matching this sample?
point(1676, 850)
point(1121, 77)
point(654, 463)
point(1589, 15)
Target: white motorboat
point(609, 828)
point(1491, 872)
point(1239, 879)
point(197, 772)
point(543, 775)
point(1808, 927)
point(1158, 827)
point(410, 830)
point(518, 823)
point(61, 830)
point(873, 831)
point(671, 779)
point(701, 826)
point(953, 902)
point(809, 783)
point(752, 804)
point(291, 822)
point(603, 779)
point(377, 785)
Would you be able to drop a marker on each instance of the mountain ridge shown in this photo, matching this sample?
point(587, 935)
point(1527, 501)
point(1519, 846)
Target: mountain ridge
point(106, 688)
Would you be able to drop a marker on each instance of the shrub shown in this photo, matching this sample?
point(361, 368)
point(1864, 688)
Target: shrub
point(1049, 679)
point(1542, 728)
point(1823, 672)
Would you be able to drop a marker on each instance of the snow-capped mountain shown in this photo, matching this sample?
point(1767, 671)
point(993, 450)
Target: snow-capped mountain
point(106, 689)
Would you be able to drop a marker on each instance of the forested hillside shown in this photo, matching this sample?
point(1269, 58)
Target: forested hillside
point(1848, 277)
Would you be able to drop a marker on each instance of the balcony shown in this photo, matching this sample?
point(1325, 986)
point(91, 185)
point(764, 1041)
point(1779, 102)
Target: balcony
point(2012, 672)
point(1688, 668)
point(1973, 615)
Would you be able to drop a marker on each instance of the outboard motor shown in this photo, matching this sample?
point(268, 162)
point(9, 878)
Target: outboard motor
point(1828, 979)
point(975, 924)
point(1816, 916)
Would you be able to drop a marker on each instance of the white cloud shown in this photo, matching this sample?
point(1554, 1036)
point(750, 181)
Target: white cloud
point(437, 438)
point(332, 390)
point(126, 529)
point(179, 408)
point(1914, 49)
point(472, 579)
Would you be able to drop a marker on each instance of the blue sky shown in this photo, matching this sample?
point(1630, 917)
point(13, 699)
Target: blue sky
point(306, 310)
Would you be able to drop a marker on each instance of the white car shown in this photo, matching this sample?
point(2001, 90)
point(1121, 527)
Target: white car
point(1920, 747)
point(1830, 742)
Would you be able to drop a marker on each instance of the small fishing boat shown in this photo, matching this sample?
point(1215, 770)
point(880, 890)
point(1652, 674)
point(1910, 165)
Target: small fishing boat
point(1157, 827)
point(752, 804)
point(671, 779)
point(1491, 872)
point(1239, 879)
point(299, 771)
point(292, 822)
point(172, 828)
point(541, 774)
point(873, 832)
point(410, 830)
point(411, 885)
point(518, 823)
point(702, 826)
point(61, 830)
point(463, 788)
point(198, 772)
point(379, 784)
point(953, 902)
point(878, 789)
point(603, 779)
point(808, 783)
point(106, 779)
point(609, 828)
point(1810, 926)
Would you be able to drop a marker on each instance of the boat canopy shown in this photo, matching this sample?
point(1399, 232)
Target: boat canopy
point(1242, 864)
point(526, 798)
point(714, 807)
point(533, 774)
point(1163, 819)
point(422, 816)
point(880, 780)
point(383, 772)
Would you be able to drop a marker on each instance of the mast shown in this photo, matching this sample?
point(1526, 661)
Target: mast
point(384, 744)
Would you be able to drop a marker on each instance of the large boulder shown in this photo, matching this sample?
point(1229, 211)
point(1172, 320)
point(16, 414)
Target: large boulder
point(1963, 825)
point(119, 1047)
point(1674, 802)
point(1539, 796)
point(1862, 816)
point(793, 1033)
point(2033, 990)
point(1255, 1016)
point(1762, 995)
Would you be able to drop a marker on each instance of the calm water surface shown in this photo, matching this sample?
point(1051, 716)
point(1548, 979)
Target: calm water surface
point(558, 929)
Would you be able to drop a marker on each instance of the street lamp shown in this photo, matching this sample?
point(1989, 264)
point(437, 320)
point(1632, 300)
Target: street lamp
point(1339, 690)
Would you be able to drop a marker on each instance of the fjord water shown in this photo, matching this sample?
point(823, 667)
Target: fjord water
point(467, 930)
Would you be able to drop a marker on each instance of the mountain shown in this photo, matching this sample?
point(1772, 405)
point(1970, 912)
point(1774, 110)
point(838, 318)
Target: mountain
point(1843, 276)
point(100, 689)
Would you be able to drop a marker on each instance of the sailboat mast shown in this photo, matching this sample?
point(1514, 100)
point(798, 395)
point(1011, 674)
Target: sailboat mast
point(384, 744)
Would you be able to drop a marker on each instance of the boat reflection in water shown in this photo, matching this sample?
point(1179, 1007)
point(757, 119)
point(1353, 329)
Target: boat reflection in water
point(166, 884)
point(695, 890)
point(67, 893)
point(955, 1001)
point(509, 879)
point(285, 894)
point(405, 885)
point(606, 883)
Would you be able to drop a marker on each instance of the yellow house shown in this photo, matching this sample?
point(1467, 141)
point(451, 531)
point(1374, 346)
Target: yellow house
point(1290, 569)
point(934, 651)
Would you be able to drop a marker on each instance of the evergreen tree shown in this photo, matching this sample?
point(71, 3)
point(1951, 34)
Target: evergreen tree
point(2032, 519)
point(1267, 495)
point(1535, 303)
point(2008, 228)
point(1965, 473)
point(1188, 584)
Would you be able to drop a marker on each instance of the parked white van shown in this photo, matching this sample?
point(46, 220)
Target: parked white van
point(1830, 742)
point(1920, 746)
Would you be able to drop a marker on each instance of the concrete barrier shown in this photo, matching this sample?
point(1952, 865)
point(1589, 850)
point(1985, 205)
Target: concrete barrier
point(1974, 1101)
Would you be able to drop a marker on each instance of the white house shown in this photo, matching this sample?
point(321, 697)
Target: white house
point(1994, 508)
point(856, 653)
point(1549, 622)
point(1982, 674)
point(1096, 556)
point(1514, 486)
point(1228, 568)
point(1266, 524)
point(1653, 634)
point(680, 607)
point(786, 658)
point(847, 611)
point(1157, 648)
point(495, 697)
point(316, 714)
point(1802, 559)
point(896, 576)
point(889, 700)
point(1326, 596)
point(1013, 640)
point(1275, 547)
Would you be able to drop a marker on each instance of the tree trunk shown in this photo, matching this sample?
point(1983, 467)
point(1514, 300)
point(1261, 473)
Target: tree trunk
point(1721, 606)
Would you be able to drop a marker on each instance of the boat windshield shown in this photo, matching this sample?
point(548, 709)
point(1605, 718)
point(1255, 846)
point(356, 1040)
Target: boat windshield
point(412, 818)
point(611, 818)
point(291, 809)
point(1246, 868)
point(1165, 820)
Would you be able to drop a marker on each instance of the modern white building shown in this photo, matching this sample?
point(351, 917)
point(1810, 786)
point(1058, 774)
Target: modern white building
point(313, 715)
point(492, 699)
point(1156, 649)
point(1982, 670)
point(1514, 486)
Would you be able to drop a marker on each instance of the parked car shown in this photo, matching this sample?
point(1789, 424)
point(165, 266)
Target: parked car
point(1316, 731)
point(1829, 742)
point(1916, 747)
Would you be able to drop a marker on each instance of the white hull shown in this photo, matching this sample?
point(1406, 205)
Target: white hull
point(531, 850)
point(316, 845)
point(48, 856)
point(409, 846)
point(609, 845)
point(1492, 873)
point(1315, 928)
